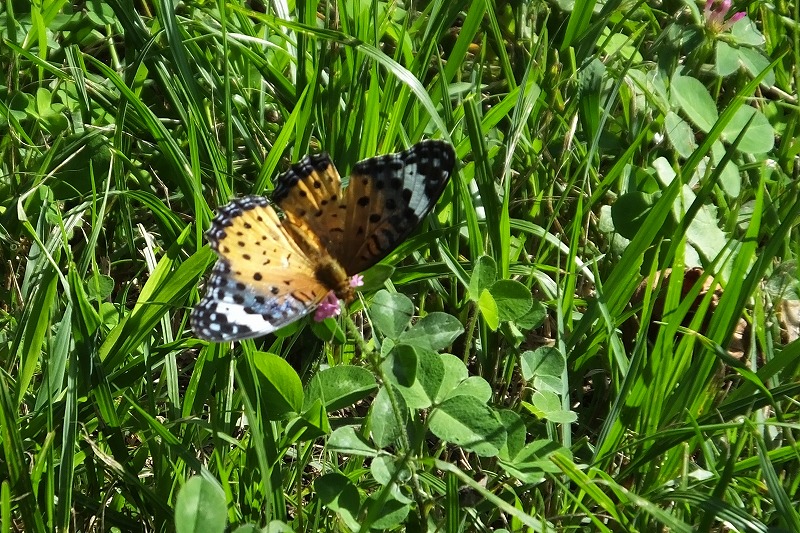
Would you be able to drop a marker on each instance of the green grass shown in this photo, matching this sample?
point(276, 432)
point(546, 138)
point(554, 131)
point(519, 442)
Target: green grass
point(594, 331)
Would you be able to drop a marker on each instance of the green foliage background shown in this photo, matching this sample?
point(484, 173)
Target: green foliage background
point(596, 330)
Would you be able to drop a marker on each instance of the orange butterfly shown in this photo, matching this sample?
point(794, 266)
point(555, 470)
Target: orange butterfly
point(272, 271)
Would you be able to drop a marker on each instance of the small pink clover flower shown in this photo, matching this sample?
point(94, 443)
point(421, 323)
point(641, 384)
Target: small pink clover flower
point(329, 307)
point(716, 13)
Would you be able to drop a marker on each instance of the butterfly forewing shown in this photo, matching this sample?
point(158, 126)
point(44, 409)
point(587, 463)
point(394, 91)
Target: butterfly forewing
point(262, 280)
point(386, 199)
point(310, 195)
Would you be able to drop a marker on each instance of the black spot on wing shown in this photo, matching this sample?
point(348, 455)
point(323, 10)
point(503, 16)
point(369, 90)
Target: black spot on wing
point(228, 213)
point(308, 165)
point(405, 187)
point(418, 174)
point(231, 310)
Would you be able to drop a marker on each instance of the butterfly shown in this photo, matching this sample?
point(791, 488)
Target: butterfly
point(274, 269)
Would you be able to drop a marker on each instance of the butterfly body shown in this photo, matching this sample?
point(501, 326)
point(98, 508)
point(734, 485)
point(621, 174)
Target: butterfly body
point(272, 270)
point(332, 276)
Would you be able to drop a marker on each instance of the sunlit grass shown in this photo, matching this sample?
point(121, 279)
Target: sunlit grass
point(613, 268)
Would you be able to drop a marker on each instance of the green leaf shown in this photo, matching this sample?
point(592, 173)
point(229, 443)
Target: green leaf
point(249, 528)
point(100, 13)
point(86, 319)
point(532, 462)
point(455, 372)
point(328, 330)
point(376, 277)
point(346, 440)
point(35, 325)
point(680, 134)
point(483, 275)
point(784, 284)
point(547, 404)
point(704, 232)
point(20, 105)
point(544, 367)
point(384, 467)
point(337, 493)
point(340, 386)
point(745, 32)
point(280, 386)
point(200, 507)
point(277, 526)
point(730, 179)
point(311, 424)
point(540, 450)
point(533, 318)
point(435, 331)
point(664, 171)
point(694, 100)
point(488, 308)
point(383, 422)
point(44, 100)
point(630, 211)
point(392, 513)
point(755, 62)
point(513, 299)
point(474, 386)
point(292, 328)
point(590, 87)
point(548, 383)
point(515, 433)
point(417, 373)
point(620, 44)
point(727, 61)
point(391, 313)
point(401, 364)
point(99, 286)
point(544, 361)
point(759, 137)
point(468, 422)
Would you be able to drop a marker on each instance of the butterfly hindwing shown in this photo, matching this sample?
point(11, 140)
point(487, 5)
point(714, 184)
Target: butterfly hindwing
point(386, 199)
point(231, 311)
point(262, 280)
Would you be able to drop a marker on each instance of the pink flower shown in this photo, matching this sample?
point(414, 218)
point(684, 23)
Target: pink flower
point(715, 16)
point(328, 308)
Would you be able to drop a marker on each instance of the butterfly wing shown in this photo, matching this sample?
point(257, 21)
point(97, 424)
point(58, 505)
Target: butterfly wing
point(386, 199)
point(262, 280)
point(310, 195)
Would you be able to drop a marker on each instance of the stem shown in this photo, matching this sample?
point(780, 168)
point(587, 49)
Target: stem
point(374, 359)
point(470, 330)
